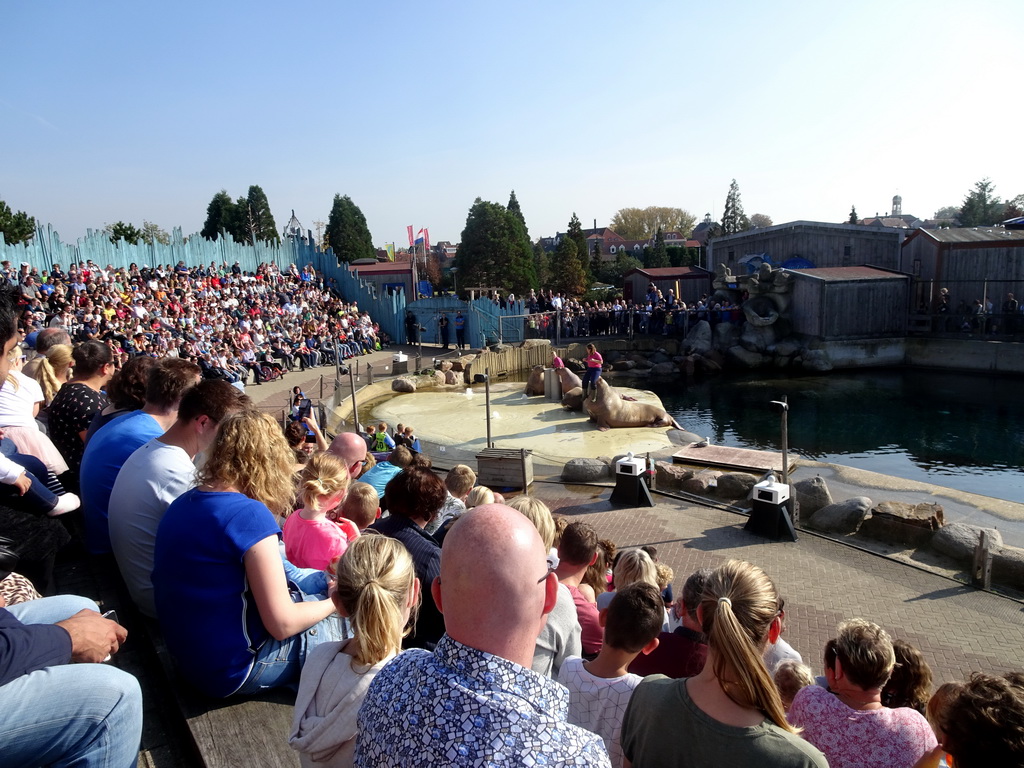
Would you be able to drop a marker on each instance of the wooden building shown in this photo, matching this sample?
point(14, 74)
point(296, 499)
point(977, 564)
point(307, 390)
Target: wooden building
point(807, 244)
point(980, 263)
point(835, 303)
point(688, 284)
point(388, 276)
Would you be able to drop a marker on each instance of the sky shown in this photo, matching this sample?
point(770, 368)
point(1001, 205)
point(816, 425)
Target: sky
point(143, 111)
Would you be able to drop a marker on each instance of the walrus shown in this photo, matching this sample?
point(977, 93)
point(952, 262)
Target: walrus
point(566, 378)
point(535, 384)
point(608, 409)
point(573, 399)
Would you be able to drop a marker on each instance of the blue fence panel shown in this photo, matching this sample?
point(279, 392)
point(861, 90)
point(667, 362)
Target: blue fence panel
point(486, 322)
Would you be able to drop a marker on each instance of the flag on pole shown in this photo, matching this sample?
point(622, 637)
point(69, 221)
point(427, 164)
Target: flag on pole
point(419, 237)
point(410, 235)
point(426, 238)
point(390, 247)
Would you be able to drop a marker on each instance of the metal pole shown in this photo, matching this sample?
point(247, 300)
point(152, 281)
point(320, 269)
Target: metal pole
point(558, 327)
point(355, 411)
point(785, 441)
point(487, 403)
point(369, 374)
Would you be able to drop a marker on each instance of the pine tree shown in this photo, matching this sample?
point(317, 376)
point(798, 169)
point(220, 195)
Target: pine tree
point(540, 264)
point(347, 232)
point(122, 231)
point(515, 210)
point(522, 271)
point(220, 216)
point(982, 207)
point(17, 227)
point(733, 218)
point(257, 222)
point(854, 219)
point(658, 255)
point(568, 277)
point(575, 232)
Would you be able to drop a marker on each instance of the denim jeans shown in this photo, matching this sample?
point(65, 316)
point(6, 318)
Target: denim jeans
point(38, 499)
point(279, 662)
point(76, 714)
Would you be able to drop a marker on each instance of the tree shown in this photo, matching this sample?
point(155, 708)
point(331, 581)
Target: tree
point(642, 223)
point(568, 278)
point(981, 207)
point(575, 231)
point(17, 227)
point(1014, 208)
point(540, 264)
point(854, 219)
point(220, 216)
point(257, 222)
point(522, 272)
point(515, 210)
point(495, 251)
point(122, 231)
point(658, 255)
point(347, 232)
point(760, 220)
point(733, 218)
point(154, 233)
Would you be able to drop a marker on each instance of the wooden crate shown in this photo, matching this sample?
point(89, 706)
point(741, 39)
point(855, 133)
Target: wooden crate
point(504, 468)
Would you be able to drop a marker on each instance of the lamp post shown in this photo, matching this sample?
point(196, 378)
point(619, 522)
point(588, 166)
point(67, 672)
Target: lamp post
point(783, 407)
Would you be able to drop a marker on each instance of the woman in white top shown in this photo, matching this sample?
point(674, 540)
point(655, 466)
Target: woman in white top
point(20, 400)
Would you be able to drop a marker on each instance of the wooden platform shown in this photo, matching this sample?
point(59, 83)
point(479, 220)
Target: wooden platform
point(732, 458)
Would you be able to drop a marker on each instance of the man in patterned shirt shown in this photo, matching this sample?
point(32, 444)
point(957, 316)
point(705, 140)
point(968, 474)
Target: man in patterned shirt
point(475, 700)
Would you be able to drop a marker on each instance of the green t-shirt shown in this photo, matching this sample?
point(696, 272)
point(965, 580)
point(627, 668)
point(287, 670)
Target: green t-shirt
point(662, 727)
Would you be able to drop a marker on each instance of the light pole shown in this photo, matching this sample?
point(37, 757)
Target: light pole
point(783, 408)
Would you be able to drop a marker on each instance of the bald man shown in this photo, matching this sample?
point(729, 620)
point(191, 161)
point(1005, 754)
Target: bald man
point(474, 700)
point(350, 448)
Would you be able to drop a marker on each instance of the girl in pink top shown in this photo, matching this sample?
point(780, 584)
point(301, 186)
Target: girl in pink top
point(310, 539)
point(594, 362)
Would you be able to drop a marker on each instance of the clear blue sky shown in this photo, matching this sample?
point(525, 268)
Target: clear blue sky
point(129, 111)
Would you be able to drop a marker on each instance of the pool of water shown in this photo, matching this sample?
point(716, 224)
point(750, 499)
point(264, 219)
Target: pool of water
point(962, 431)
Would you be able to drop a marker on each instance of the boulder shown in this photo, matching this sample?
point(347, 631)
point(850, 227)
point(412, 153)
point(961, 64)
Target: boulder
point(710, 364)
point(585, 470)
point(787, 348)
point(898, 522)
point(623, 365)
point(641, 360)
point(682, 437)
point(702, 483)
point(575, 365)
point(534, 343)
point(499, 348)
point(843, 518)
point(811, 495)
point(959, 540)
point(612, 355)
point(735, 485)
point(403, 384)
point(451, 377)
point(664, 369)
point(670, 476)
point(698, 340)
point(725, 335)
point(1008, 567)
point(757, 338)
point(458, 366)
point(816, 360)
point(745, 358)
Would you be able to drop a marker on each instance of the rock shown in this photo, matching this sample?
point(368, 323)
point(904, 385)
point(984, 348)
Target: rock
point(585, 470)
point(816, 360)
point(787, 348)
point(698, 340)
point(844, 517)
point(703, 482)
point(403, 384)
point(612, 355)
point(1008, 567)
point(725, 335)
point(682, 437)
point(534, 343)
point(641, 360)
point(735, 485)
point(811, 494)
point(710, 364)
point(623, 365)
point(575, 365)
point(660, 357)
point(458, 366)
point(757, 338)
point(959, 540)
point(689, 365)
point(499, 348)
point(745, 358)
point(670, 476)
point(900, 523)
point(450, 377)
point(664, 369)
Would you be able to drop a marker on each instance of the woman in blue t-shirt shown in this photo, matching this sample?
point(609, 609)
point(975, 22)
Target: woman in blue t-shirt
point(230, 616)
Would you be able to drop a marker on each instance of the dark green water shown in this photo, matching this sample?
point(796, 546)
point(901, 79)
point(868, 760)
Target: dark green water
point(963, 431)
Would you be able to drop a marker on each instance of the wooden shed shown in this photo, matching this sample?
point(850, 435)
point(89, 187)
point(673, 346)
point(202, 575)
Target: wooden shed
point(811, 243)
point(966, 261)
point(387, 276)
point(835, 303)
point(688, 284)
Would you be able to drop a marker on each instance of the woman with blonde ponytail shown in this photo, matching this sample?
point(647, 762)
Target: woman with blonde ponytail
point(54, 371)
point(731, 712)
point(310, 539)
point(378, 591)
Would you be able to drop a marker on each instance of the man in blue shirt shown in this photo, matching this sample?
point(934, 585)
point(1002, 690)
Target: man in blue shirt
point(474, 700)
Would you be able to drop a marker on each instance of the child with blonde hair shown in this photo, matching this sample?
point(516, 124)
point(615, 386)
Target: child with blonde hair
point(378, 591)
point(790, 676)
point(311, 540)
point(361, 506)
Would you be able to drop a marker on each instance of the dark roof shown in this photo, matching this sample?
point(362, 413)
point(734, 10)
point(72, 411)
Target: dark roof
point(667, 273)
point(846, 274)
point(976, 235)
point(382, 267)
